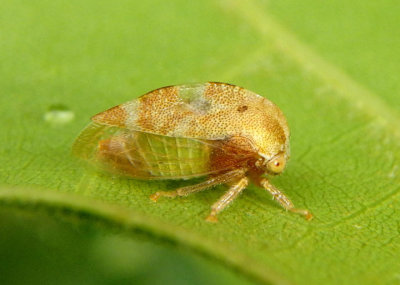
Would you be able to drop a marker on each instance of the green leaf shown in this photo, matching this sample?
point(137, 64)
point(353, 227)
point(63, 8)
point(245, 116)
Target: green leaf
point(332, 69)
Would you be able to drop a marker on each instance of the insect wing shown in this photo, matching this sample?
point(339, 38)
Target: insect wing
point(145, 155)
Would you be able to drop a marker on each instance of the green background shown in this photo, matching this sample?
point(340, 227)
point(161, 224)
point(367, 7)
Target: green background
point(332, 67)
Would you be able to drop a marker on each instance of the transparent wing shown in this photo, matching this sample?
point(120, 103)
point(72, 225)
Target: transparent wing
point(150, 156)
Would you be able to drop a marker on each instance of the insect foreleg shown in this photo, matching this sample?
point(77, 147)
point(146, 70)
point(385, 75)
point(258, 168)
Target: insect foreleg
point(184, 191)
point(227, 198)
point(283, 200)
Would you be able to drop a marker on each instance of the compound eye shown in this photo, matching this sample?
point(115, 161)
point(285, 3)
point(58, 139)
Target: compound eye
point(277, 164)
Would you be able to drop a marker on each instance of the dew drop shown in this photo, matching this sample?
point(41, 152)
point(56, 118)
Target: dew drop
point(58, 115)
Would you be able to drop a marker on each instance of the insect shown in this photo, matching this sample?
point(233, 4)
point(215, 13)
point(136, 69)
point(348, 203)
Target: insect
point(222, 131)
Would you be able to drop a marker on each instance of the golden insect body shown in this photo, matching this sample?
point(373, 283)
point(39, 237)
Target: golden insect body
point(210, 129)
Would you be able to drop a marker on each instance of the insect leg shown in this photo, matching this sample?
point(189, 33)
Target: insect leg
point(184, 191)
point(227, 198)
point(283, 200)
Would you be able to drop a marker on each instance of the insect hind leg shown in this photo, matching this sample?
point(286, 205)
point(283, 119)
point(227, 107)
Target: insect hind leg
point(213, 181)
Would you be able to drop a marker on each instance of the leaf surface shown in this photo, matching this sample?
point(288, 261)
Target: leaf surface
point(70, 61)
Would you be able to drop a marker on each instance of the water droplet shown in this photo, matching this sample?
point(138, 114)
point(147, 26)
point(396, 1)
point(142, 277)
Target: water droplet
point(58, 115)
